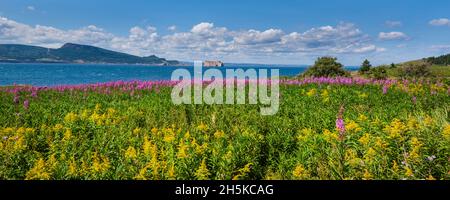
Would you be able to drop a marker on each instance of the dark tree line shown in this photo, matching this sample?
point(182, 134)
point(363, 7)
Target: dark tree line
point(441, 60)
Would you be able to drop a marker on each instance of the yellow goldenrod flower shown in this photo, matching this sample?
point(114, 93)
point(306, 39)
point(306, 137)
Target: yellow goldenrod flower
point(415, 142)
point(187, 135)
point(219, 134)
point(96, 118)
point(202, 127)
point(200, 149)
point(324, 93)
point(136, 131)
point(20, 131)
point(409, 172)
point(84, 114)
point(365, 139)
point(243, 171)
point(352, 126)
point(228, 156)
point(131, 153)
point(311, 92)
point(395, 167)
point(67, 135)
point(98, 107)
point(431, 178)
point(100, 164)
point(52, 162)
point(350, 154)
point(70, 117)
point(29, 130)
point(300, 172)
point(380, 144)
point(182, 150)
point(111, 112)
point(72, 167)
point(370, 155)
point(446, 132)
point(19, 143)
point(58, 127)
point(146, 146)
point(325, 96)
point(415, 146)
point(169, 138)
point(171, 172)
point(395, 129)
point(363, 96)
point(330, 136)
point(304, 134)
point(428, 121)
point(202, 172)
point(8, 130)
point(143, 172)
point(38, 171)
point(412, 124)
point(367, 175)
point(362, 118)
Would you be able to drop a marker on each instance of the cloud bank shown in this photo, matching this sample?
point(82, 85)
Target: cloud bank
point(440, 22)
point(204, 40)
point(392, 36)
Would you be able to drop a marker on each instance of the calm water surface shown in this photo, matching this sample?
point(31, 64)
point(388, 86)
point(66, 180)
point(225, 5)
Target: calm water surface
point(66, 74)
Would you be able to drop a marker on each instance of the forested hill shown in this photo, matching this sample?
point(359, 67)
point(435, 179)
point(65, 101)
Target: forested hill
point(441, 60)
point(73, 53)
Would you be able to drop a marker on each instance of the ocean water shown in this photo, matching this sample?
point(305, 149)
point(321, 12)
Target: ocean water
point(68, 74)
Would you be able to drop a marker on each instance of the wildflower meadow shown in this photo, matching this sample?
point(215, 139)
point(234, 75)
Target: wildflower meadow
point(326, 128)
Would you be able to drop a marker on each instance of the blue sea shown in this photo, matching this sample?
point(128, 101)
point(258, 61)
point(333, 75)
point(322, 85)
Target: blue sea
point(68, 74)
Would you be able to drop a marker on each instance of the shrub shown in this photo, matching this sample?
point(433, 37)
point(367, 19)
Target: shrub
point(415, 70)
point(326, 67)
point(379, 72)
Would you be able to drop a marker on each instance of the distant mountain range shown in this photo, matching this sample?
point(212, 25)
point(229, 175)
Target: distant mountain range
point(74, 53)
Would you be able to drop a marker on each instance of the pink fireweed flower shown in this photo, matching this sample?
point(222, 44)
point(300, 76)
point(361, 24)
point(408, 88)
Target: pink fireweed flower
point(26, 104)
point(340, 125)
point(385, 89)
point(414, 99)
point(16, 99)
point(34, 93)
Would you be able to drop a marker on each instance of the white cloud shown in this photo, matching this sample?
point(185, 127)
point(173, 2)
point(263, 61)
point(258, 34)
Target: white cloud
point(31, 8)
point(257, 37)
point(440, 47)
point(172, 28)
point(393, 24)
point(392, 36)
point(202, 28)
point(440, 22)
point(203, 41)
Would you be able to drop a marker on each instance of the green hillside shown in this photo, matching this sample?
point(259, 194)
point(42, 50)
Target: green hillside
point(73, 53)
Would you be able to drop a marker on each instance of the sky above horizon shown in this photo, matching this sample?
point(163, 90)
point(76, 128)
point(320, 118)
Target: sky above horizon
point(245, 31)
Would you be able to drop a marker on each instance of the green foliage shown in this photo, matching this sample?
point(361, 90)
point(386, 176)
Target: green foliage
point(393, 66)
point(441, 60)
point(326, 67)
point(365, 67)
point(73, 53)
point(379, 72)
point(415, 70)
point(83, 135)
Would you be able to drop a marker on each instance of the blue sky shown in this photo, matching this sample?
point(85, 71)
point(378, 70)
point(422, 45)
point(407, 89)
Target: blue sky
point(285, 32)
